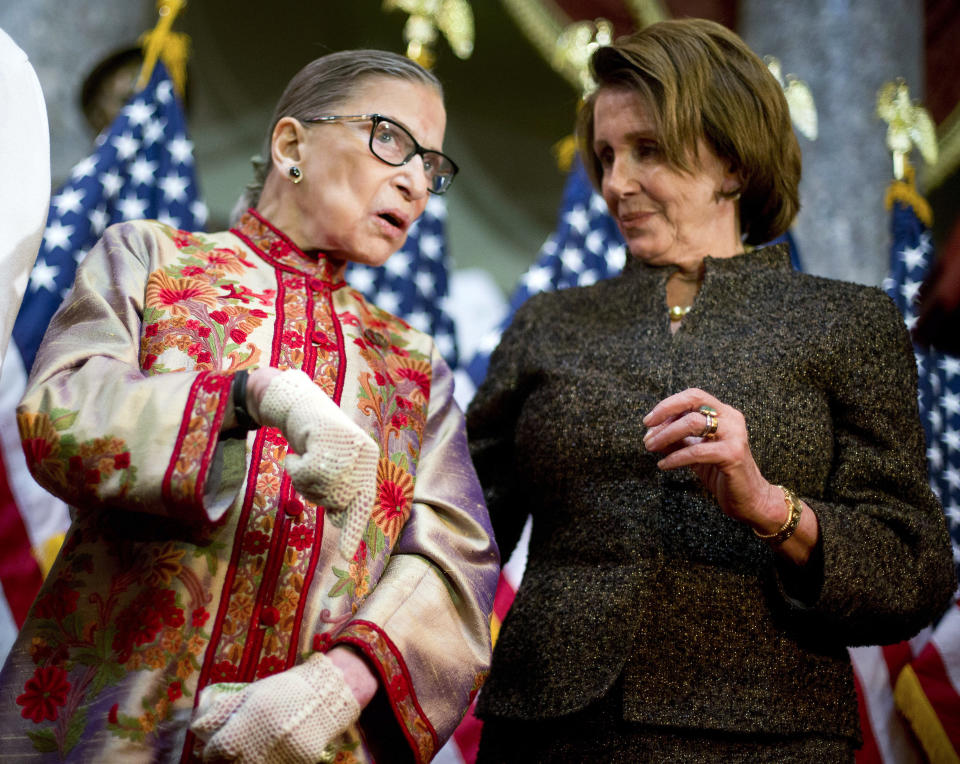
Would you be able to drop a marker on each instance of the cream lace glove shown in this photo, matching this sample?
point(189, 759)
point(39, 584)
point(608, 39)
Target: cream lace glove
point(335, 464)
point(290, 717)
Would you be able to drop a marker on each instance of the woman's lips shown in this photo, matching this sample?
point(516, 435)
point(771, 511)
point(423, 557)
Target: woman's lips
point(392, 221)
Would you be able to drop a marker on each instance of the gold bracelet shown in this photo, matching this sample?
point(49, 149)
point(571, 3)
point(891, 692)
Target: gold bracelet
point(794, 510)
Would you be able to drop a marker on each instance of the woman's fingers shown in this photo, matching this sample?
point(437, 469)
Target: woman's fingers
point(678, 404)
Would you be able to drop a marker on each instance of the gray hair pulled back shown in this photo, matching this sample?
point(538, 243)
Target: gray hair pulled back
point(321, 86)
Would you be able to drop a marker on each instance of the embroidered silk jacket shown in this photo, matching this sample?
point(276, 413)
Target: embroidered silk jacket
point(191, 559)
point(634, 572)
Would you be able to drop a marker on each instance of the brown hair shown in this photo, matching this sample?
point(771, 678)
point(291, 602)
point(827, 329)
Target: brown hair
point(700, 80)
point(325, 83)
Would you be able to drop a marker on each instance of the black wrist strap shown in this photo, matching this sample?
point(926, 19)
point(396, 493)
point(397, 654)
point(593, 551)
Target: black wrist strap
point(238, 391)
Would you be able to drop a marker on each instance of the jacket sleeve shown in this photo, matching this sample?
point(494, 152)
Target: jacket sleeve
point(96, 428)
point(425, 625)
point(887, 566)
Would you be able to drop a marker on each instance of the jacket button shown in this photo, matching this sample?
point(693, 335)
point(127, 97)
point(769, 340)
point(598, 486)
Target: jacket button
point(269, 616)
point(293, 507)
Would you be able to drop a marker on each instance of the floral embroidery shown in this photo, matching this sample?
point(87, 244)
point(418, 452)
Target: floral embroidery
point(394, 496)
point(395, 677)
point(93, 470)
point(44, 693)
point(176, 295)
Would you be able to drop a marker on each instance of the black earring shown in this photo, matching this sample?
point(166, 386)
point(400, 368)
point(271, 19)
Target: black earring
point(295, 174)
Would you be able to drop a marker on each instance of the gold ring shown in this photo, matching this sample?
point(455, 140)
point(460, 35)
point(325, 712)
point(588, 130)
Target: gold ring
point(713, 421)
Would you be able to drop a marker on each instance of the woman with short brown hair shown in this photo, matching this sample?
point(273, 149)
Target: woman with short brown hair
point(722, 456)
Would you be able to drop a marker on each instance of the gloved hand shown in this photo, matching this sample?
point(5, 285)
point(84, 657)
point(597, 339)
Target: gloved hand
point(288, 717)
point(335, 463)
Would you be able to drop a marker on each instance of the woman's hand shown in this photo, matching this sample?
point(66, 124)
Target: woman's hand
point(719, 453)
point(292, 716)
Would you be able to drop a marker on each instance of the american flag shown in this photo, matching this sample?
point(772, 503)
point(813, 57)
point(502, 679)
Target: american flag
point(919, 680)
point(414, 284)
point(142, 168)
point(585, 247)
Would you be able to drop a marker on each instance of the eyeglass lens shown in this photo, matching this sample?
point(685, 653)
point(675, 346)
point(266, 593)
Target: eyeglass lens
point(393, 144)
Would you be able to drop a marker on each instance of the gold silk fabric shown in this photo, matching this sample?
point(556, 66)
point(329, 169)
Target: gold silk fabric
point(191, 559)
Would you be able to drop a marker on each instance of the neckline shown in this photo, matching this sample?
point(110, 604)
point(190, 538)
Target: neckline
point(277, 248)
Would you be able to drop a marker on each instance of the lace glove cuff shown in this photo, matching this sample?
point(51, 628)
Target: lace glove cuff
point(288, 717)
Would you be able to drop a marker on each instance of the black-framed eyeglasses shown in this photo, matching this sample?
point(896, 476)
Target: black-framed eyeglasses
point(392, 143)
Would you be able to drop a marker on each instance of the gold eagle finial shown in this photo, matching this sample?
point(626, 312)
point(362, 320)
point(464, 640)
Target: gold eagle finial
point(908, 125)
point(454, 18)
point(803, 111)
point(574, 46)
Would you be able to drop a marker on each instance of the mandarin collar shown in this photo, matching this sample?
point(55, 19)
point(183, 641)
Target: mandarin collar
point(277, 248)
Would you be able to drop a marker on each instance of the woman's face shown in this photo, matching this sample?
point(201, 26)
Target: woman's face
point(666, 216)
point(350, 204)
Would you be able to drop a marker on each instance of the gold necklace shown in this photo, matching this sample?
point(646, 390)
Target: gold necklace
point(677, 312)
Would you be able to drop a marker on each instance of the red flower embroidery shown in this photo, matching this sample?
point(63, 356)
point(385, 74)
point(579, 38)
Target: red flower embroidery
point(392, 500)
point(257, 313)
point(398, 688)
point(181, 239)
point(193, 324)
point(44, 693)
point(238, 336)
point(203, 332)
point(255, 542)
point(151, 330)
point(236, 291)
point(300, 537)
point(399, 420)
point(174, 691)
point(191, 270)
point(60, 602)
point(269, 665)
point(223, 672)
point(91, 477)
point(321, 642)
point(399, 351)
point(294, 339)
point(219, 316)
point(199, 617)
point(204, 357)
point(420, 379)
point(149, 361)
point(121, 461)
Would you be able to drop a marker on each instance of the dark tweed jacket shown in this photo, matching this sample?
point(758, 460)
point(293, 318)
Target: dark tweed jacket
point(637, 572)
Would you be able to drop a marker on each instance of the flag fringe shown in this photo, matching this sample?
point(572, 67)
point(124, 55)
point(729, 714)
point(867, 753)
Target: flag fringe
point(905, 192)
point(173, 48)
point(913, 703)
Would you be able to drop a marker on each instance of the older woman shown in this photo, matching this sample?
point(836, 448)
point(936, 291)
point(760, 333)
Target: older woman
point(722, 456)
point(279, 537)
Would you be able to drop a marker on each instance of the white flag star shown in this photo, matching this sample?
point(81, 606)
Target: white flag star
point(361, 279)
point(69, 200)
point(132, 208)
point(951, 403)
point(909, 290)
point(950, 366)
point(153, 131)
point(436, 207)
point(571, 258)
point(99, 219)
point(536, 279)
point(180, 149)
point(426, 283)
point(44, 276)
point(388, 301)
point(430, 245)
point(84, 167)
point(914, 257)
point(57, 235)
point(174, 187)
point(142, 170)
point(111, 182)
point(138, 112)
point(398, 264)
point(126, 146)
point(577, 219)
point(617, 257)
point(419, 320)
